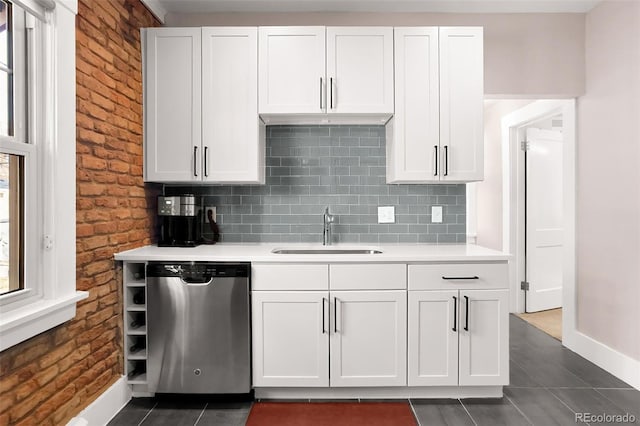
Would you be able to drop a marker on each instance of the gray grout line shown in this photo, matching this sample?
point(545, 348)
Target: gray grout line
point(467, 411)
point(519, 410)
point(147, 415)
point(201, 414)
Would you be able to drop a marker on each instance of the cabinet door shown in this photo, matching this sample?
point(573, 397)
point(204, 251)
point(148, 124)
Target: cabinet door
point(369, 338)
point(360, 69)
point(412, 152)
point(433, 338)
point(231, 145)
point(461, 103)
point(484, 337)
point(172, 104)
point(291, 66)
point(290, 338)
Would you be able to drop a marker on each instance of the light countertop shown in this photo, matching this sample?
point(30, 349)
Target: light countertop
point(261, 253)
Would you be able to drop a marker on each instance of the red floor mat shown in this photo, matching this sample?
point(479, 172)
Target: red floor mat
point(331, 414)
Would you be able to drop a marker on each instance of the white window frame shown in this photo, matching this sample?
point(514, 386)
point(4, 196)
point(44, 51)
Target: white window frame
point(49, 297)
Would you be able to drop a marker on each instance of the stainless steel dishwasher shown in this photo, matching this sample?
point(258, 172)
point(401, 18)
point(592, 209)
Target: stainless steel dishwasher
point(198, 328)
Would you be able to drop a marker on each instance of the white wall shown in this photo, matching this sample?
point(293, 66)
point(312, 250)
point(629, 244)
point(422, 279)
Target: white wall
point(489, 191)
point(541, 55)
point(608, 179)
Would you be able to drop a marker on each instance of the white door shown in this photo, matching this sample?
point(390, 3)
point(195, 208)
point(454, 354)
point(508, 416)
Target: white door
point(433, 338)
point(172, 105)
point(412, 152)
point(291, 69)
point(369, 338)
point(484, 337)
point(290, 335)
point(231, 146)
point(360, 69)
point(544, 220)
point(461, 103)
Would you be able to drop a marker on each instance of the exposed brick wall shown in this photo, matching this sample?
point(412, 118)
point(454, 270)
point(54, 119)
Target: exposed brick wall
point(52, 377)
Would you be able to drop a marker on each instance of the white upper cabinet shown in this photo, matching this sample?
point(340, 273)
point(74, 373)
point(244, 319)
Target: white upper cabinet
point(232, 147)
point(334, 70)
point(412, 146)
point(172, 93)
point(201, 106)
point(360, 69)
point(292, 70)
point(461, 103)
point(437, 131)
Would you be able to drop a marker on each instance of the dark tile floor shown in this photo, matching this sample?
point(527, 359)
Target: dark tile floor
point(549, 385)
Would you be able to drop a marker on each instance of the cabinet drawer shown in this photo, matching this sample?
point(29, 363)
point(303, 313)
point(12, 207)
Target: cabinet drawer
point(290, 276)
point(368, 276)
point(458, 276)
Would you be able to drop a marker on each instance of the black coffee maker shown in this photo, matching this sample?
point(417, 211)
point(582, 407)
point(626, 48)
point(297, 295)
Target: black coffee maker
point(181, 224)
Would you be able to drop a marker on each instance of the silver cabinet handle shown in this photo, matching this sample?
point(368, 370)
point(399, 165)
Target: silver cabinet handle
point(435, 147)
point(320, 93)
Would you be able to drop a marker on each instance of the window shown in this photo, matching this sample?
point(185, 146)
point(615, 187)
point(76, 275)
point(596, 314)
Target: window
point(13, 105)
point(37, 167)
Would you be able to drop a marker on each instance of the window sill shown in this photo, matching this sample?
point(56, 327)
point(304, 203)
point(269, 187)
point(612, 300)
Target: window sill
point(25, 322)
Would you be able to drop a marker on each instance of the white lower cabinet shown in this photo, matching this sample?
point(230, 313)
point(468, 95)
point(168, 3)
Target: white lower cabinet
point(433, 338)
point(458, 337)
point(484, 337)
point(290, 338)
point(369, 338)
point(297, 335)
point(315, 336)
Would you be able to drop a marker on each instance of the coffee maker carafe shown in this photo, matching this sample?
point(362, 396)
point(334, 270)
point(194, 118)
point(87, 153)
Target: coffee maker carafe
point(180, 221)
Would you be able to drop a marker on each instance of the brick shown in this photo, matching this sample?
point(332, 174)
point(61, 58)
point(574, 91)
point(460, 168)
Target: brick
point(97, 267)
point(119, 166)
point(56, 355)
point(84, 230)
point(88, 189)
point(93, 163)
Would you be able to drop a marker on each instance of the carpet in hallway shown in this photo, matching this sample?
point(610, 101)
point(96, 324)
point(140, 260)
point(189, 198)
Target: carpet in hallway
point(331, 413)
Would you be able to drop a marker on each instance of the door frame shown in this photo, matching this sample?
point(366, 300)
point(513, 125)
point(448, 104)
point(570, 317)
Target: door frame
point(513, 226)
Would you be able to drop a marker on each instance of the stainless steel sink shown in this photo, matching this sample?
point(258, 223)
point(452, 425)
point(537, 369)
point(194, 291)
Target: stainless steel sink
point(326, 251)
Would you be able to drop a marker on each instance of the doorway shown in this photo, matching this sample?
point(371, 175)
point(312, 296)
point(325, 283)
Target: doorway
point(539, 212)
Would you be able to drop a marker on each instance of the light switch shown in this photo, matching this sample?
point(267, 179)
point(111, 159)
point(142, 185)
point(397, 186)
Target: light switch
point(387, 214)
point(436, 214)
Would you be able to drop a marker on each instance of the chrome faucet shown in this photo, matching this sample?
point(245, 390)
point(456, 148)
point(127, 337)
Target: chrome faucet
point(327, 219)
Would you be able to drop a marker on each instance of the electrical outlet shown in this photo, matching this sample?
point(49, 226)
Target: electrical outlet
point(213, 212)
point(387, 214)
point(436, 214)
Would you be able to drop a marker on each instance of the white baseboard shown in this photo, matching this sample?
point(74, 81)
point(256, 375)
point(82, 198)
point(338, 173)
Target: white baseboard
point(105, 407)
point(620, 365)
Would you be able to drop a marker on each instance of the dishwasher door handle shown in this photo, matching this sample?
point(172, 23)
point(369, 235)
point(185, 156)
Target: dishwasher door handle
point(191, 284)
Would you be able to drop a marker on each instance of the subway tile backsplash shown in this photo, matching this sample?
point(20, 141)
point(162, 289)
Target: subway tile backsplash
point(343, 167)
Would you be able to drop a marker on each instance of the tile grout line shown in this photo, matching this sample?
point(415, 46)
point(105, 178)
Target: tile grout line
point(467, 411)
point(148, 413)
point(201, 414)
point(563, 403)
point(413, 410)
point(519, 410)
point(610, 400)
